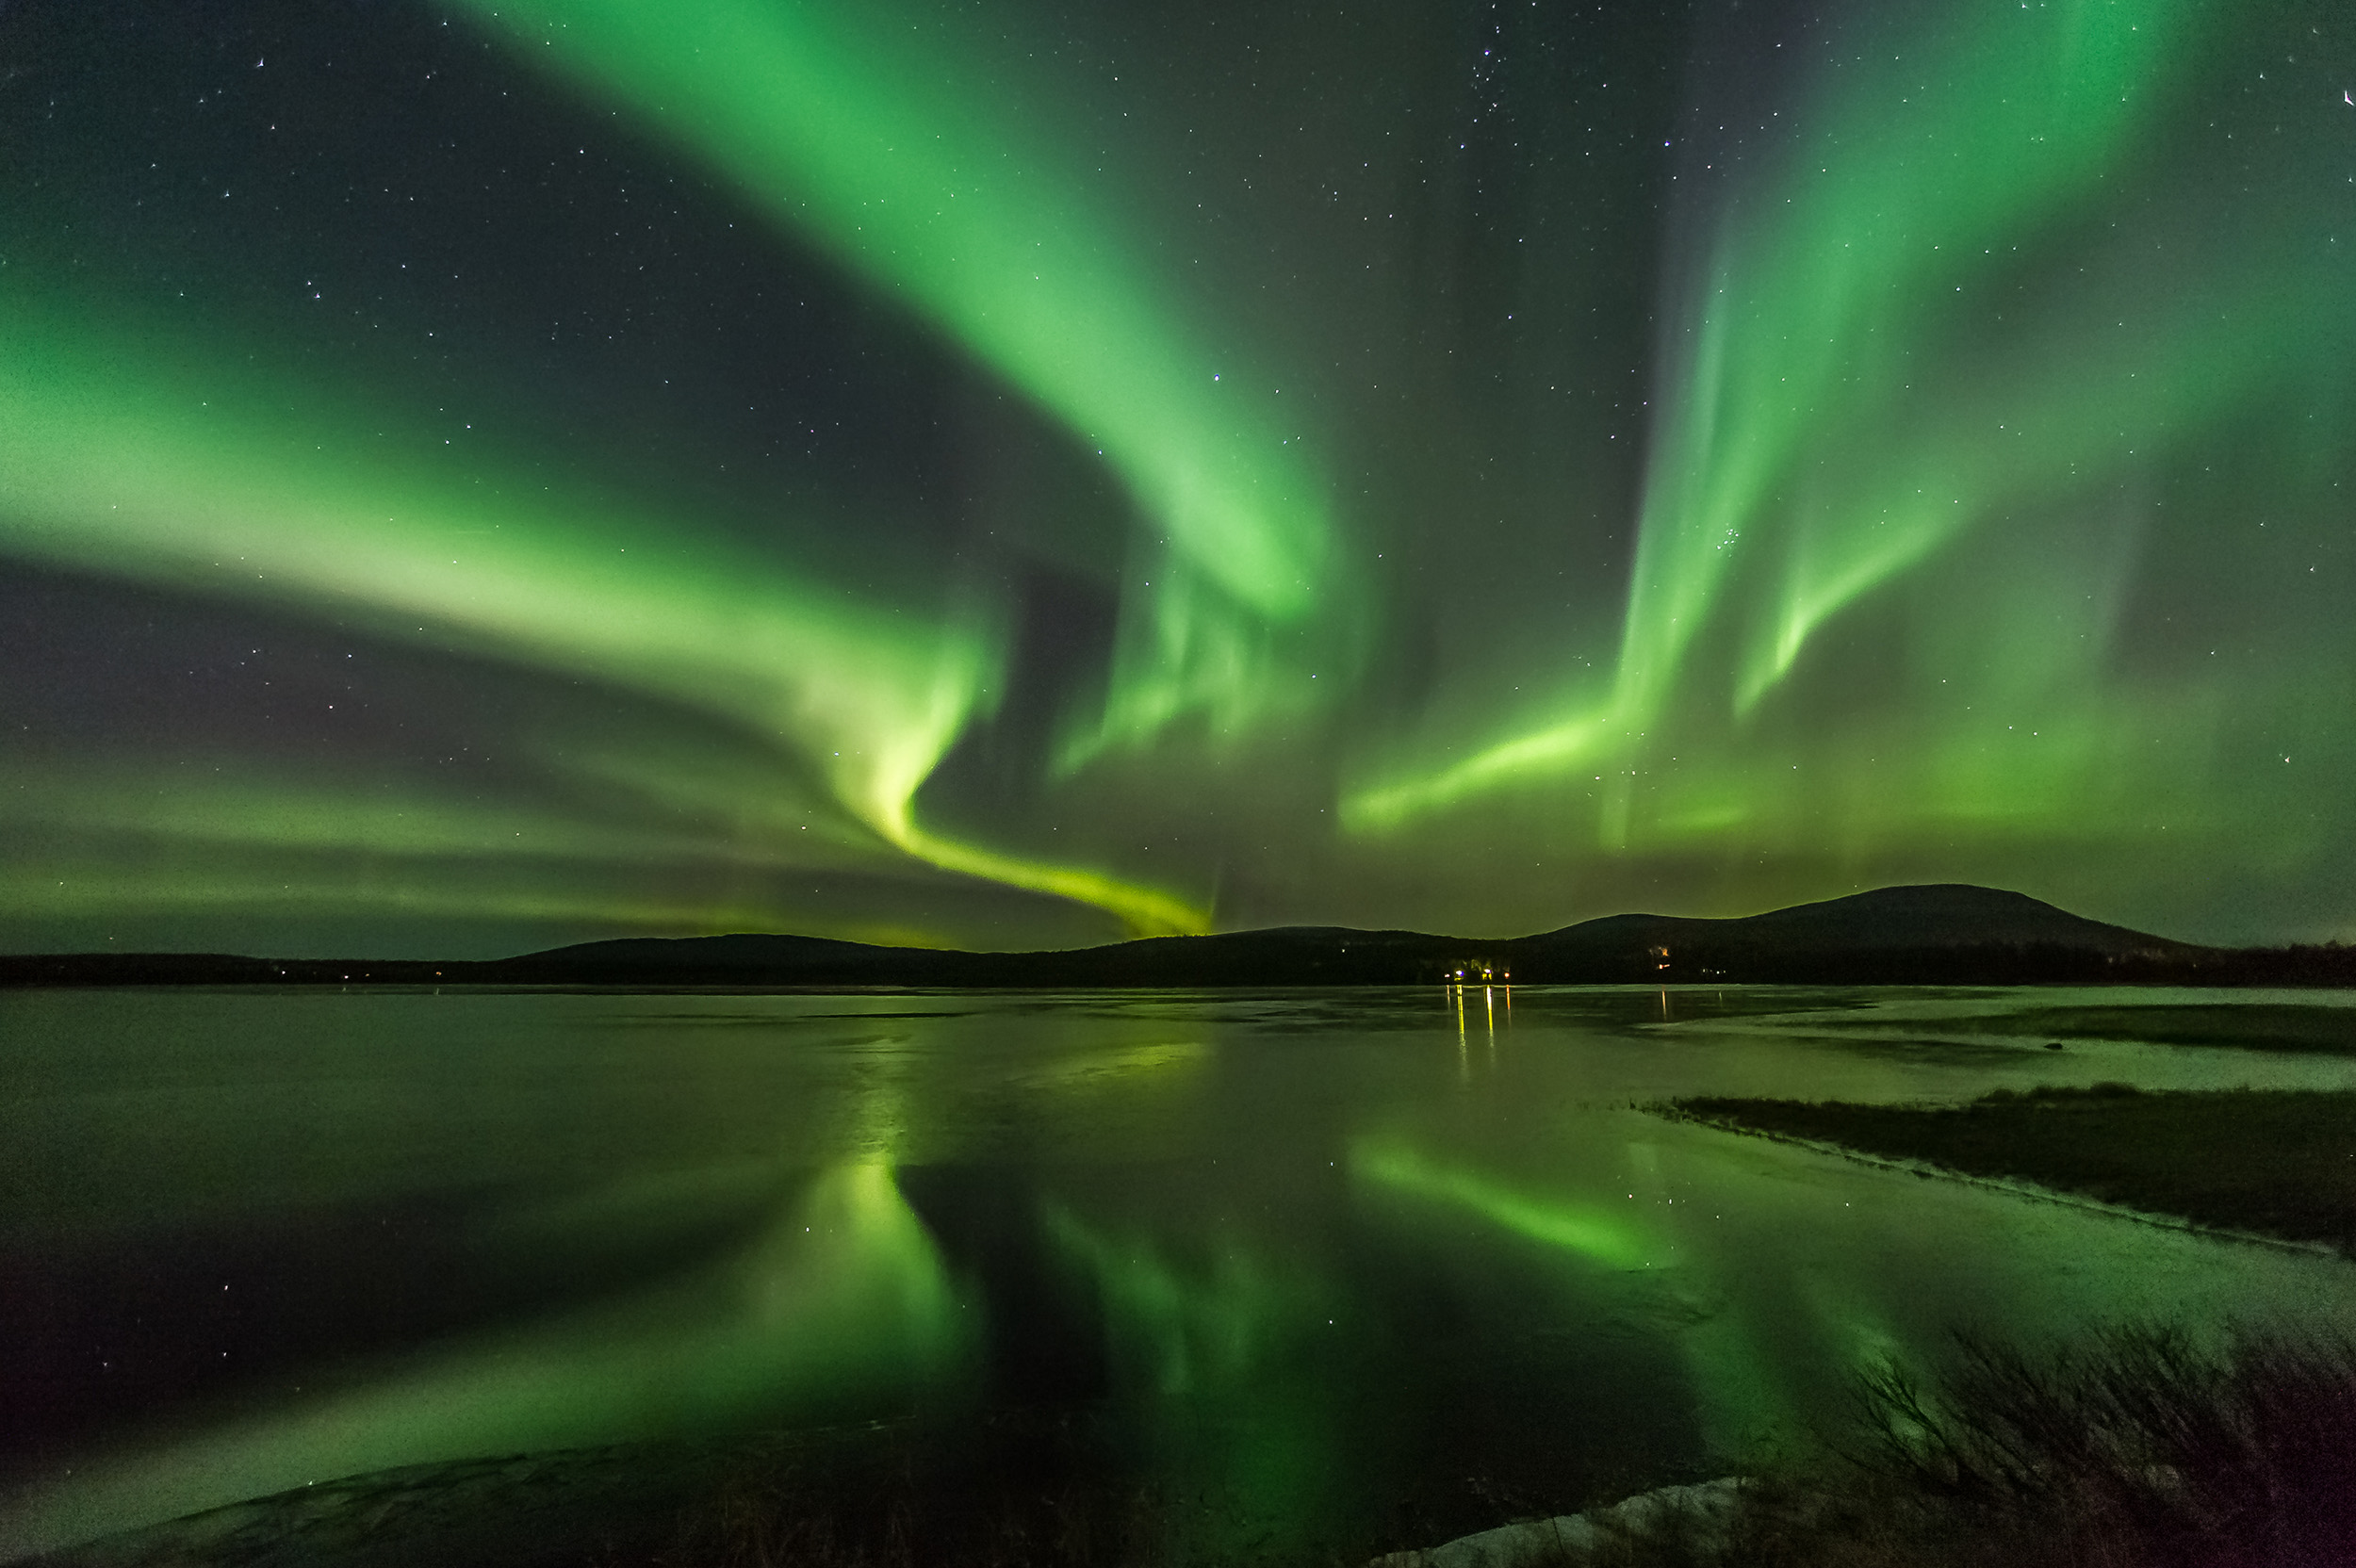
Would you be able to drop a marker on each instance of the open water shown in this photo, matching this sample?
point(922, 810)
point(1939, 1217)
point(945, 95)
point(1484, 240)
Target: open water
point(1316, 1256)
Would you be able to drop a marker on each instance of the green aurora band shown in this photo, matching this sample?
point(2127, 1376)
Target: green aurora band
point(224, 494)
point(1828, 430)
point(1982, 515)
point(973, 224)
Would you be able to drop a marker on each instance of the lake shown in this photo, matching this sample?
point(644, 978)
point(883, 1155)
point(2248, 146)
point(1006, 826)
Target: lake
point(1328, 1259)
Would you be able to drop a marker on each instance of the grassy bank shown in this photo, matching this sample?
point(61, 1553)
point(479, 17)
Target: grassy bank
point(2132, 1447)
point(2132, 1450)
point(2281, 1161)
point(2295, 1026)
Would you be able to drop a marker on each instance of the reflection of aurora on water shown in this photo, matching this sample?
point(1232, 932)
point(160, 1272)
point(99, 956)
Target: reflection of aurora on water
point(1731, 1377)
point(1296, 1254)
point(1231, 1366)
point(848, 469)
point(842, 1309)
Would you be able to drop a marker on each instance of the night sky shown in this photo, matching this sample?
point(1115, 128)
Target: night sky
point(482, 474)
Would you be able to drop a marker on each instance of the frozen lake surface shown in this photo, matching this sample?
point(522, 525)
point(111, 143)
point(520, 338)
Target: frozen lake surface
point(1317, 1255)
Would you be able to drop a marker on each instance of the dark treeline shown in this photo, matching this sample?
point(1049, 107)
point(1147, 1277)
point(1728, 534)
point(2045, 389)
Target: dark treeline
point(1245, 960)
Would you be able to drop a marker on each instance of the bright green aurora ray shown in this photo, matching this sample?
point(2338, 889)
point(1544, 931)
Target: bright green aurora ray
point(877, 150)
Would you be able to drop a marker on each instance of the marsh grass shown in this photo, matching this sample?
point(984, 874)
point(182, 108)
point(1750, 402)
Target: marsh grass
point(2140, 1445)
point(2134, 1448)
point(2280, 1162)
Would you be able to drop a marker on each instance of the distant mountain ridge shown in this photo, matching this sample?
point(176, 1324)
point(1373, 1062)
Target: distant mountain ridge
point(1920, 916)
point(1922, 923)
point(1950, 933)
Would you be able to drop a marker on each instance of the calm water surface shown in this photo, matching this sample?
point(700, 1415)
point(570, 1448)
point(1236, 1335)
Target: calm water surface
point(1314, 1253)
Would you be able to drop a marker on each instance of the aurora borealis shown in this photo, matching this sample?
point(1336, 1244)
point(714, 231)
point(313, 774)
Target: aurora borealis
point(481, 475)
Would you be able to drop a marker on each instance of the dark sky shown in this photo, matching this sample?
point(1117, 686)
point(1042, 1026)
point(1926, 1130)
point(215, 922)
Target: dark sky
point(485, 475)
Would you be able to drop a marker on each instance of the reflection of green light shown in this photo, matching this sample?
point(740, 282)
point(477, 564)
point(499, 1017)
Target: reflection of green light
point(1590, 1232)
point(1193, 1336)
point(883, 153)
point(843, 1305)
point(1223, 1355)
point(1120, 1066)
point(226, 483)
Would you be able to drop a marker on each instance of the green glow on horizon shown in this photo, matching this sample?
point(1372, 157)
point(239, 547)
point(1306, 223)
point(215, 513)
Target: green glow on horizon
point(226, 834)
